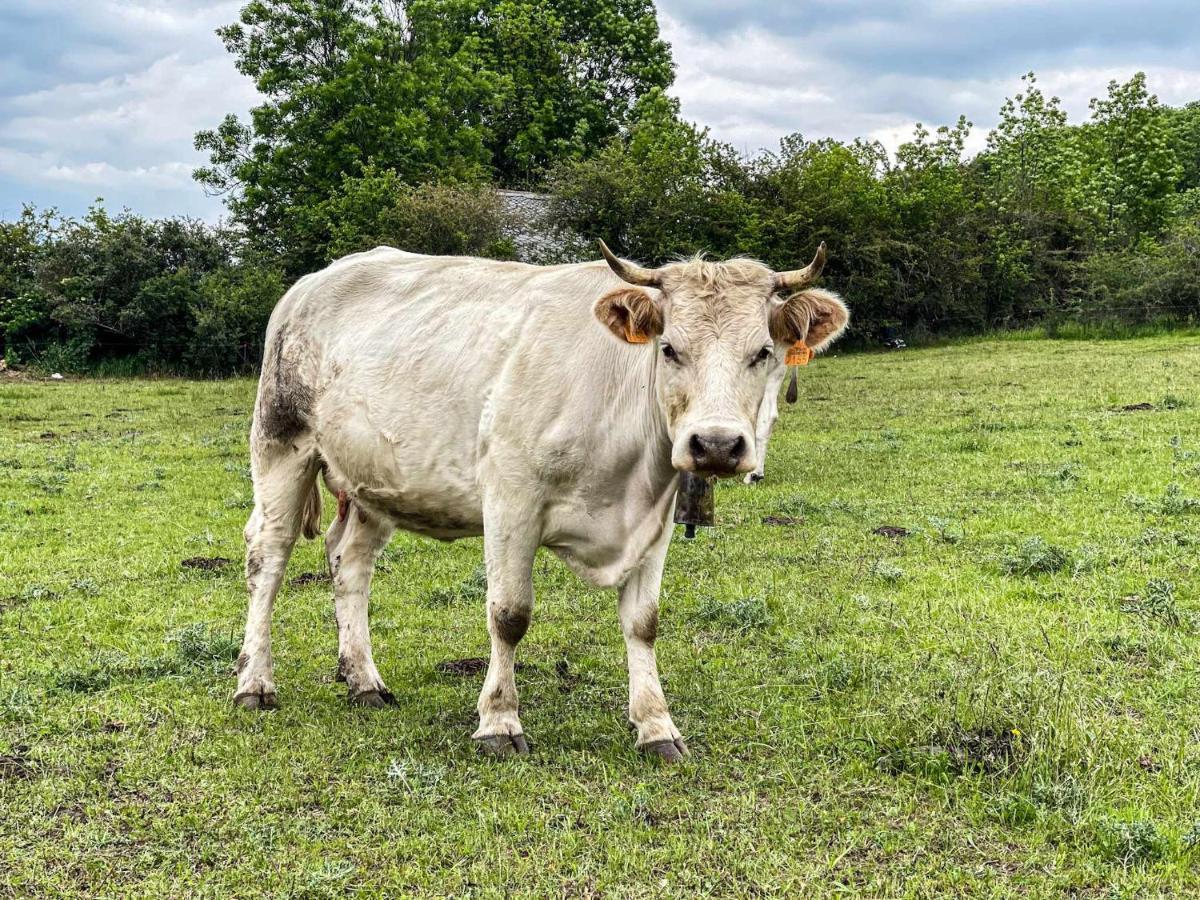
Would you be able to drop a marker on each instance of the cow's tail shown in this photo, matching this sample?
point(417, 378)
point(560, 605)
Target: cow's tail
point(310, 520)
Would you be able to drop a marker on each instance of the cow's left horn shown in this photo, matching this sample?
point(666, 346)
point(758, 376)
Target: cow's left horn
point(798, 279)
point(627, 271)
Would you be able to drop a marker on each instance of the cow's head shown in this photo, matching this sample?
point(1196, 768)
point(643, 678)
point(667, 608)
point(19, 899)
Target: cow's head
point(719, 328)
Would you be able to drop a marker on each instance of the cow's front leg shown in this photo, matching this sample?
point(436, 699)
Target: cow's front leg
point(638, 609)
point(510, 540)
point(352, 548)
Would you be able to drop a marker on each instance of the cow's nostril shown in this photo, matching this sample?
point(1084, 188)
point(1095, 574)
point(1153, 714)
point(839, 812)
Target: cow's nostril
point(738, 450)
point(696, 447)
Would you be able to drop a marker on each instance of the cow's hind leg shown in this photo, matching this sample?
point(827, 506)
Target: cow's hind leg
point(510, 541)
point(283, 478)
point(354, 545)
point(638, 610)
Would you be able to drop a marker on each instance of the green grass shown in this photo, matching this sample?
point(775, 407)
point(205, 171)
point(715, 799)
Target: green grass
point(1002, 702)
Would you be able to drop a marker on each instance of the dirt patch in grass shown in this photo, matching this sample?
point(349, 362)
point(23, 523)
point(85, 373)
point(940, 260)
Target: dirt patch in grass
point(567, 681)
point(472, 665)
point(206, 563)
point(783, 521)
point(306, 578)
point(16, 764)
point(890, 531)
point(463, 667)
point(1137, 407)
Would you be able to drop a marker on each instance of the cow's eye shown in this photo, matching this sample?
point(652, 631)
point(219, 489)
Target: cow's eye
point(762, 356)
point(669, 352)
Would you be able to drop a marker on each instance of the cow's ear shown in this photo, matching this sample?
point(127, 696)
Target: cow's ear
point(814, 316)
point(631, 314)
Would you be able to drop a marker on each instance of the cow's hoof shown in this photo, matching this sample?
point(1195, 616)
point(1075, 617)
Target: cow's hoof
point(754, 478)
point(671, 751)
point(252, 700)
point(373, 699)
point(502, 745)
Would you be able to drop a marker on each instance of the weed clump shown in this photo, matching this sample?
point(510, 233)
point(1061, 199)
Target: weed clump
point(199, 645)
point(1173, 502)
point(886, 570)
point(472, 589)
point(741, 615)
point(1133, 842)
point(1157, 602)
point(1035, 556)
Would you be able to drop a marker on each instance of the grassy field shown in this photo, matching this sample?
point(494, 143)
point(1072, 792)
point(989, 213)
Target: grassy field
point(1002, 701)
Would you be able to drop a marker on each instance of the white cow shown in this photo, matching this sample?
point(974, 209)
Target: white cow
point(536, 406)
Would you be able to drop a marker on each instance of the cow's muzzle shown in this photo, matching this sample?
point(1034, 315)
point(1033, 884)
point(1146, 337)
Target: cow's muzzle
point(715, 450)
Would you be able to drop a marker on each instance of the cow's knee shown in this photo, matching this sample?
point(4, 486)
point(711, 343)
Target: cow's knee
point(510, 622)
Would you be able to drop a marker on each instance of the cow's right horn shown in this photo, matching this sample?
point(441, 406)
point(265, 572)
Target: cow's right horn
point(630, 272)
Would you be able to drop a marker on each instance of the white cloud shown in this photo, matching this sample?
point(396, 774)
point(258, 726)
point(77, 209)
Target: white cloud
point(753, 86)
point(115, 113)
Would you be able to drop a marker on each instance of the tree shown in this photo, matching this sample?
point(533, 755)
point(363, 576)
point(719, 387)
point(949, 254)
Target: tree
point(573, 71)
point(435, 90)
point(664, 189)
point(1031, 176)
point(1134, 169)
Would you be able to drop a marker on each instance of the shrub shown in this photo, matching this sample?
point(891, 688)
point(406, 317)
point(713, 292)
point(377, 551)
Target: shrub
point(379, 208)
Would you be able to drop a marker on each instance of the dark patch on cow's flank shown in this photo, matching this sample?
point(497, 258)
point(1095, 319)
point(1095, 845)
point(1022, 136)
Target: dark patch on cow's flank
point(16, 764)
point(206, 563)
point(284, 411)
point(645, 626)
point(890, 531)
point(783, 520)
point(1138, 407)
point(511, 624)
point(306, 578)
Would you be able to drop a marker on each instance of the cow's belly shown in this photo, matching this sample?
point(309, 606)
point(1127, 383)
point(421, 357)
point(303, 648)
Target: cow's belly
point(422, 479)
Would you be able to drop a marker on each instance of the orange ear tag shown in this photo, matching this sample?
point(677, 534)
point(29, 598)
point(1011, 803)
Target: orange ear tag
point(799, 354)
point(633, 337)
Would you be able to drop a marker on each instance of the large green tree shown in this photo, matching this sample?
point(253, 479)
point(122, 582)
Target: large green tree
point(443, 90)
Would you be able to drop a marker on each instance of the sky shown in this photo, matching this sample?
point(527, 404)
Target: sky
point(103, 98)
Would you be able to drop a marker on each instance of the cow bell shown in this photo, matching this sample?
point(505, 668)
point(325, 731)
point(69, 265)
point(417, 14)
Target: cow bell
point(694, 502)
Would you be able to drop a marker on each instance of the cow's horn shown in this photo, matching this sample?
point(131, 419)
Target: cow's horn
point(630, 272)
point(798, 279)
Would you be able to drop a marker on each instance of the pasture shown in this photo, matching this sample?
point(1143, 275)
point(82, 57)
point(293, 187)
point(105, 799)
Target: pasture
point(997, 695)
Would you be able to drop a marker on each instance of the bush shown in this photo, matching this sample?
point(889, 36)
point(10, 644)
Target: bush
point(451, 219)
